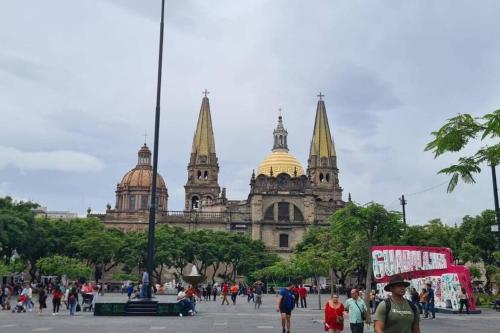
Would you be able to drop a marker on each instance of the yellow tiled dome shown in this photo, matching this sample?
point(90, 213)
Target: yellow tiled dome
point(281, 161)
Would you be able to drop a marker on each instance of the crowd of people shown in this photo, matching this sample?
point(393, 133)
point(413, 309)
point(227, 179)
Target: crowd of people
point(19, 297)
point(399, 312)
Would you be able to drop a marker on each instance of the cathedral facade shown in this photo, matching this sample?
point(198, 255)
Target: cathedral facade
point(283, 200)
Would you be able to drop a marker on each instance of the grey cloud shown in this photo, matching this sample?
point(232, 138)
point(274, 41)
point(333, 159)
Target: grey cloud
point(28, 70)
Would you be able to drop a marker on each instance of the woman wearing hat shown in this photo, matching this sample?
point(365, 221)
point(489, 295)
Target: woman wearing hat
point(397, 314)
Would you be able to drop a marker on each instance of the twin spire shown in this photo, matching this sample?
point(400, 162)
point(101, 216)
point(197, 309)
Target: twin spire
point(203, 140)
point(321, 144)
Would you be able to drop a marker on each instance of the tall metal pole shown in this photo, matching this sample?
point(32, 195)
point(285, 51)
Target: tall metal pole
point(152, 208)
point(497, 208)
point(403, 203)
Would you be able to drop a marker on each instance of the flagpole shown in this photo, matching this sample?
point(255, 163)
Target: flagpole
point(153, 205)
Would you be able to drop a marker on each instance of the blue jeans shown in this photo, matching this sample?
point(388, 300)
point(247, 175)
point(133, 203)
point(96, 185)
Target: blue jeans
point(145, 291)
point(430, 306)
point(72, 308)
point(357, 328)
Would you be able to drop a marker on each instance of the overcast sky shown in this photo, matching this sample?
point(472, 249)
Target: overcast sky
point(78, 85)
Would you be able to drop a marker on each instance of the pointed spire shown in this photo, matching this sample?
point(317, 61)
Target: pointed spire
point(349, 199)
point(322, 144)
point(203, 140)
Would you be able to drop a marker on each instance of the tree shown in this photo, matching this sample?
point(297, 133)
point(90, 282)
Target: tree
point(312, 262)
point(455, 135)
point(15, 219)
point(365, 226)
point(478, 242)
point(99, 248)
point(61, 265)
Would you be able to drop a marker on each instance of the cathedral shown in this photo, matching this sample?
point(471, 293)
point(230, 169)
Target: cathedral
point(283, 200)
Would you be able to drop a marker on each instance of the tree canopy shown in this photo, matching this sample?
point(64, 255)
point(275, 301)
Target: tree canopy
point(456, 134)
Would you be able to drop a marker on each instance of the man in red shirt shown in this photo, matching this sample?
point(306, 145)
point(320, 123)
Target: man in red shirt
point(225, 290)
point(303, 296)
point(295, 292)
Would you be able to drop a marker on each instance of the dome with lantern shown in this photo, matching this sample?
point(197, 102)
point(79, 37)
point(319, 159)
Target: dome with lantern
point(134, 191)
point(280, 160)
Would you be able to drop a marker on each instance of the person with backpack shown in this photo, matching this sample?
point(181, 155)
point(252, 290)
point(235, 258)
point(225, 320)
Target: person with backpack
point(72, 301)
point(396, 314)
point(357, 310)
point(285, 306)
point(429, 306)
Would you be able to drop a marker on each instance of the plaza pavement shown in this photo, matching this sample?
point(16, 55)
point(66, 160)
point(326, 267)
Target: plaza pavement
point(215, 318)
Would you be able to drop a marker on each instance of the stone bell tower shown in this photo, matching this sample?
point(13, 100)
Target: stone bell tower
point(203, 168)
point(322, 163)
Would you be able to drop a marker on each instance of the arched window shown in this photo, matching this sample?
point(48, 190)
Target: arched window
point(297, 214)
point(283, 240)
point(195, 202)
point(281, 140)
point(321, 178)
point(283, 211)
point(269, 216)
point(327, 177)
point(131, 202)
point(205, 175)
point(144, 201)
point(208, 199)
point(199, 174)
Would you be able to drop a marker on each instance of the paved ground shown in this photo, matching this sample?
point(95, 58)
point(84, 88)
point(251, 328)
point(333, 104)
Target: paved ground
point(215, 318)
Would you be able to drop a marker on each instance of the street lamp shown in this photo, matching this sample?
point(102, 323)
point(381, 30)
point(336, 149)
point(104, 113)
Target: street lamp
point(153, 206)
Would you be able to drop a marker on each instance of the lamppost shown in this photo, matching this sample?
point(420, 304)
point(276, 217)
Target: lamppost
point(496, 228)
point(152, 208)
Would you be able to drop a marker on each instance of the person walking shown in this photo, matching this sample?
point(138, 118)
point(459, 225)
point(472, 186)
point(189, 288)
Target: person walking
point(258, 290)
point(397, 314)
point(208, 290)
point(429, 306)
point(42, 298)
point(250, 295)
point(357, 310)
point(415, 299)
point(145, 290)
point(285, 306)
point(334, 315)
point(234, 292)
point(464, 301)
point(295, 292)
point(214, 292)
point(225, 291)
point(28, 293)
point(423, 300)
point(57, 295)
point(303, 296)
point(72, 301)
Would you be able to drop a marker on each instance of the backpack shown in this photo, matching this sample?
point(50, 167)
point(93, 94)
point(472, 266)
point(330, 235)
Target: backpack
point(388, 309)
point(287, 300)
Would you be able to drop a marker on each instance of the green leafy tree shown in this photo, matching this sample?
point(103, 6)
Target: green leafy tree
point(365, 226)
point(15, 220)
point(456, 134)
point(61, 265)
point(100, 248)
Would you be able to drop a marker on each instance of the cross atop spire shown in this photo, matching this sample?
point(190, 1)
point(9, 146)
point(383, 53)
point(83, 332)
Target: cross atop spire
point(320, 95)
point(280, 110)
point(145, 136)
point(205, 92)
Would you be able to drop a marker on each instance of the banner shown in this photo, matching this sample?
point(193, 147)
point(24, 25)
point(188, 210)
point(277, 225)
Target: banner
point(422, 265)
